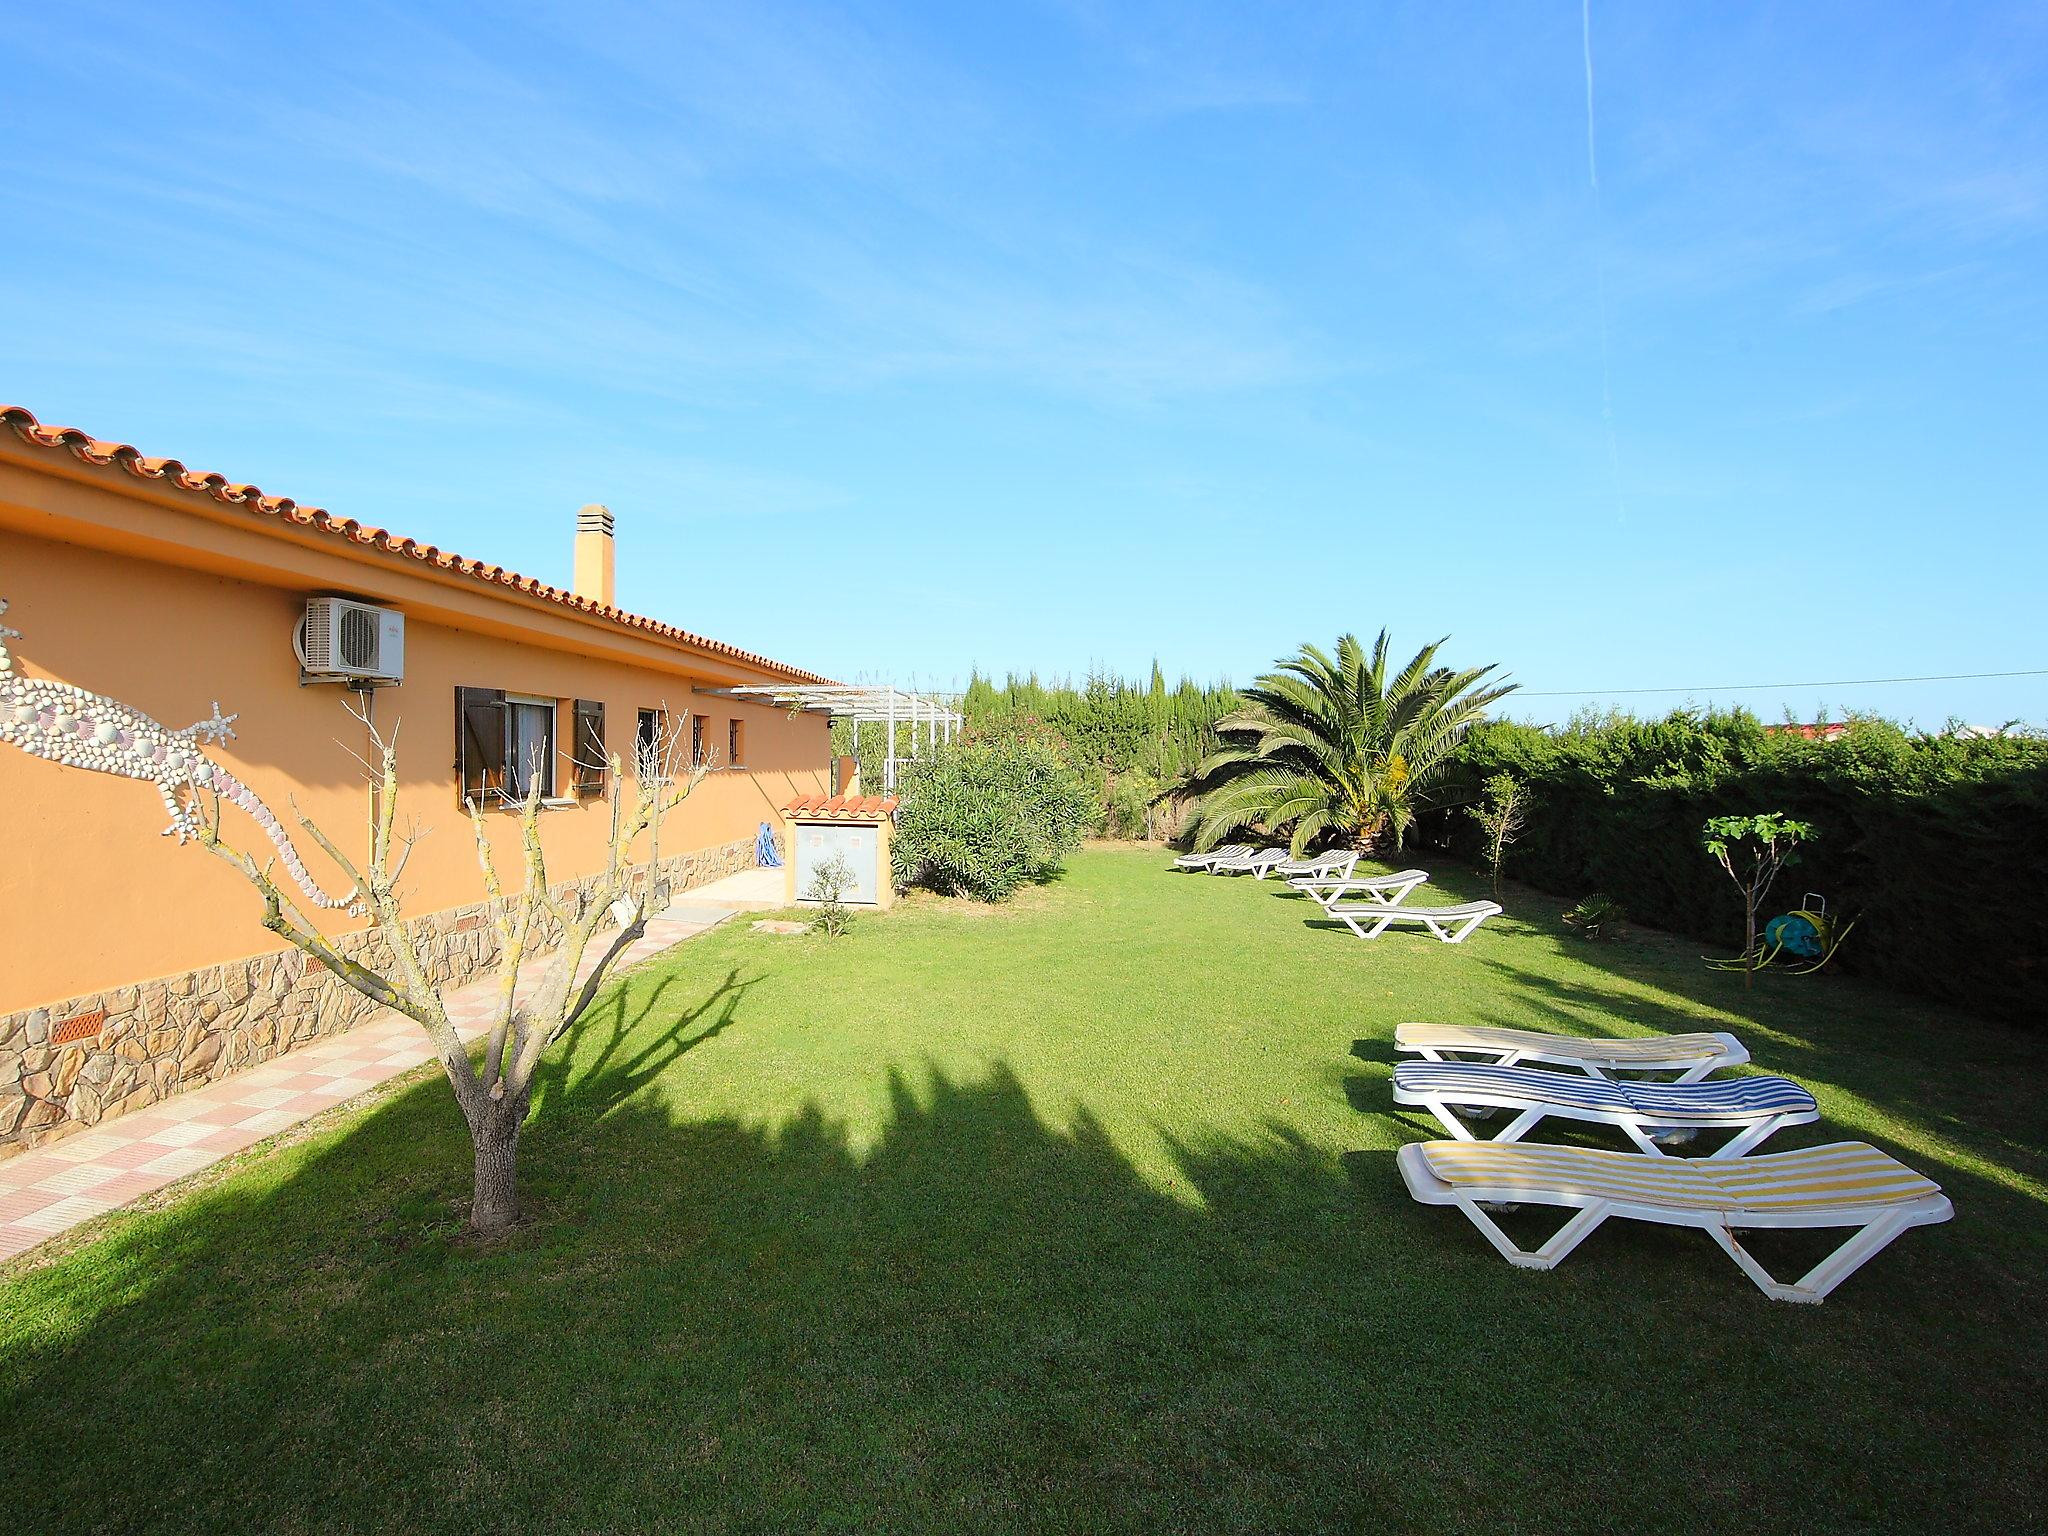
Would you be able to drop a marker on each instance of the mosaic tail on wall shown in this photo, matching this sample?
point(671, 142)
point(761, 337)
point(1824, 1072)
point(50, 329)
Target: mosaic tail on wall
point(87, 730)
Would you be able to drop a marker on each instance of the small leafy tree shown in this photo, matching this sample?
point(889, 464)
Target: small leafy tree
point(1501, 817)
point(1753, 849)
point(830, 882)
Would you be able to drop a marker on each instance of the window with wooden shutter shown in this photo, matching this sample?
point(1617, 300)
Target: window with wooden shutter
point(696, 741)
point(481, 731)
point(735, 743)
point(589, 763)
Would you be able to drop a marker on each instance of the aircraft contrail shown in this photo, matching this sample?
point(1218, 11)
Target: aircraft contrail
point(1586, 33)
point(1600, 271)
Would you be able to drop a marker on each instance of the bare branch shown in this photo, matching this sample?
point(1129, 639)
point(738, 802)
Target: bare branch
point(408, 839)
point(627, 936)
point(387, 812)
point(500, 913)
point(282, 918)
point(326, 844)
point(516, 931)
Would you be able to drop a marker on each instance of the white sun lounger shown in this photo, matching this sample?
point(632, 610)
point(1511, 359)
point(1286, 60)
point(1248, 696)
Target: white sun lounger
point(1454, 925)
point(1386, 890)
point(1691, 1056)
point(1759, 1106)
point(1203, 861)
point(1258, 865)
point(1337, 864)
point(1847, 1184)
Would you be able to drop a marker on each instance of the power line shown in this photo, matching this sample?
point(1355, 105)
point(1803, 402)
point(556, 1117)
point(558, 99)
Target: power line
point(1840, 682)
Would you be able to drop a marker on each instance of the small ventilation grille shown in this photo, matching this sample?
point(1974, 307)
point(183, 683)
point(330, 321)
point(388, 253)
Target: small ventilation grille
point(316, 639)
point(358, 637)
point(82, 1026)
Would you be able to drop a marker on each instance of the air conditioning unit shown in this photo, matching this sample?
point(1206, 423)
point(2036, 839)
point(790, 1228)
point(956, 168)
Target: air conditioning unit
point(340, 641)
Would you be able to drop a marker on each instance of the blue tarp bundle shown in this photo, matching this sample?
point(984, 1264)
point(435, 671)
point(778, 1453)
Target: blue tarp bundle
point(765, 852)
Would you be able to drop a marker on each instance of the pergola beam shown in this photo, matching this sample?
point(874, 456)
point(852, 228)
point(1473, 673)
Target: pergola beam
point(845, 702)
point(887, 706)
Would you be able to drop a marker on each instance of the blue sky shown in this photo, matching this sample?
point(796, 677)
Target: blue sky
point(1050, 336)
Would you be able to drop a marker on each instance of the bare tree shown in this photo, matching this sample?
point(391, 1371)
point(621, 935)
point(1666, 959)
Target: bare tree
point(70, 725)
point(495, 1092)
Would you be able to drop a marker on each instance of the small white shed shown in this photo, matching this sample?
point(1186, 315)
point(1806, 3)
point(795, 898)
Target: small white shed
point(854, 827)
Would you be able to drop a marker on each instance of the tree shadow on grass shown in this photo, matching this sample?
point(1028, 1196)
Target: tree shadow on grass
point(1579, 1007)
point(979, 1320)
point(614, 1054)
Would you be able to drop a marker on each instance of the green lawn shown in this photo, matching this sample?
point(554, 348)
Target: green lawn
point(1080, 1215)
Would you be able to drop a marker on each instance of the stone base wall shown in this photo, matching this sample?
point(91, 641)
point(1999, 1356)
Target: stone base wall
point(72, 1064)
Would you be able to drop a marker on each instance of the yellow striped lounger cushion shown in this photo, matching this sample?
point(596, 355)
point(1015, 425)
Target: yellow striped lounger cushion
point(1845, 1176)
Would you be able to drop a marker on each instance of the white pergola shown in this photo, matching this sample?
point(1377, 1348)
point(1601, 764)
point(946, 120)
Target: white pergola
point(887, 706)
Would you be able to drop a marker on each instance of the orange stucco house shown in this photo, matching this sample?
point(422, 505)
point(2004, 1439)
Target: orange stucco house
point(131, 966)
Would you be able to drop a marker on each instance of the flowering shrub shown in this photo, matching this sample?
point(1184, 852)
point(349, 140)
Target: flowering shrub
point(983, 817)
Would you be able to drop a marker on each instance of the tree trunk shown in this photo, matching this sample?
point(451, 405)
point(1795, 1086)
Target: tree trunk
point(495, 1204)
point(1749, 948)
point(1370, 839)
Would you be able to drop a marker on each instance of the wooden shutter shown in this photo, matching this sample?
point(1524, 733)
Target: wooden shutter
point(588, 760)
point(480, 728)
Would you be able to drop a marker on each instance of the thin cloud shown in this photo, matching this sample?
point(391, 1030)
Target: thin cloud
point(1855, 288)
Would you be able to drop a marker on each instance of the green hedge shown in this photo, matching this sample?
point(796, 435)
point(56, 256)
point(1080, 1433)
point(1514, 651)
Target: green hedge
point(1113, 723)
point(1938, 842)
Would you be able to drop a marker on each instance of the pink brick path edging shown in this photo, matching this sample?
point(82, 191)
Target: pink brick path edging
point(54, 1188)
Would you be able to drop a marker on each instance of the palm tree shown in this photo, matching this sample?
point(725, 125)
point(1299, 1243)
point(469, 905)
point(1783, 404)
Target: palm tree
point(1337, 749)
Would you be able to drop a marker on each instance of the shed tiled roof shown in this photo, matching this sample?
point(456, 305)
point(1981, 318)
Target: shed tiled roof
point(283, 510)
point(842, 807)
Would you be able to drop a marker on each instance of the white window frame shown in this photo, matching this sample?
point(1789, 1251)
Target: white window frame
point(515, 788)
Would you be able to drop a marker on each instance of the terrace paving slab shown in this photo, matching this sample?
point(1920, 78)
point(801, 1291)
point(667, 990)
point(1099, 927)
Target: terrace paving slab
point(54, 1188)
point(751, 890)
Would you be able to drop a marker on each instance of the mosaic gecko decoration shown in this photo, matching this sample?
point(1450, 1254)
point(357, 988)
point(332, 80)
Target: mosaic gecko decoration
point(87, 730)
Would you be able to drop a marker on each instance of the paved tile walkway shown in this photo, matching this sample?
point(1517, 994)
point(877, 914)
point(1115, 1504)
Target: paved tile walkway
point(54, 1188)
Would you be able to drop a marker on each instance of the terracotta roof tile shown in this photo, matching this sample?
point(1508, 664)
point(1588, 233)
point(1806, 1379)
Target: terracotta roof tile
point(842, 807)
point(172, 472)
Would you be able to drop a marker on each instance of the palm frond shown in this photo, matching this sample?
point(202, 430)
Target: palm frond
point(1340, 744)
